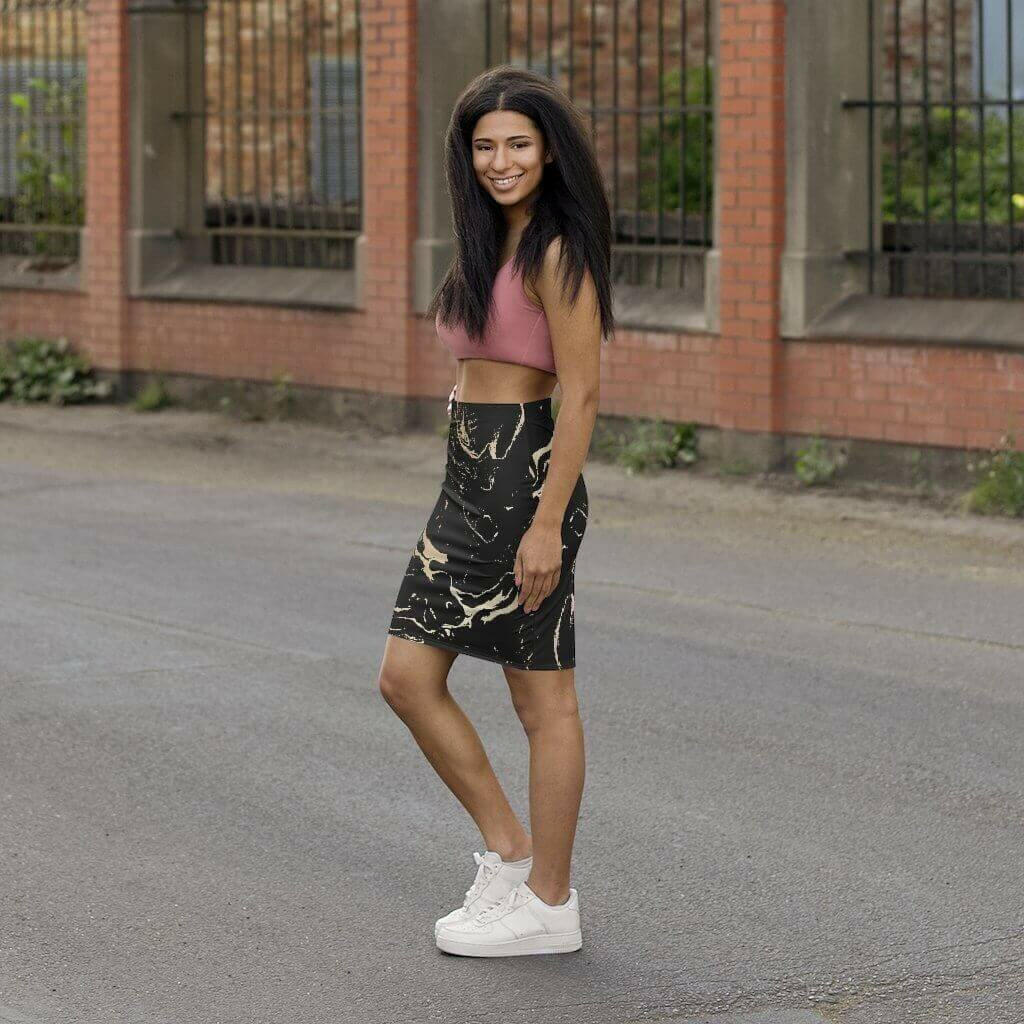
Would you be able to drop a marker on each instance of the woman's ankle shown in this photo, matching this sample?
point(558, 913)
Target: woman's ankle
point(513, 851)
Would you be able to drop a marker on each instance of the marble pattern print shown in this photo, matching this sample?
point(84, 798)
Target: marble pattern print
point(459, 589)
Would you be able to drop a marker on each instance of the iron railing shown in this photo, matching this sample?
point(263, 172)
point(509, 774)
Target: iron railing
point(945, 148)
point(282, 113)
point(42, 136)
point(642, 71)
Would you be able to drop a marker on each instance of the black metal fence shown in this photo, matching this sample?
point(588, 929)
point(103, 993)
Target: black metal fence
point(642, 71)
point(945, 148)
point(282, 121)
point(42, 137)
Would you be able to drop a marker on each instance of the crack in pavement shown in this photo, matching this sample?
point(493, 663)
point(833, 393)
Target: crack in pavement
point(678, 597)
point(167, 626)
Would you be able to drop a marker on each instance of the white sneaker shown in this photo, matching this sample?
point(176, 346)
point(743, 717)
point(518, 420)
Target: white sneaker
point(519, 925)
point(494, 878)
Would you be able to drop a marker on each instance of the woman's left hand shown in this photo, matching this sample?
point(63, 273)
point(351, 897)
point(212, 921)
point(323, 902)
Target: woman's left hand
point(538, 564)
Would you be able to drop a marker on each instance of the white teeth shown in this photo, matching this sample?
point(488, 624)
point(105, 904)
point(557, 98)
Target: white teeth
point(506, 181)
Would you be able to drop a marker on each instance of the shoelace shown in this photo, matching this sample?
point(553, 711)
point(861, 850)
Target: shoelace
point(513, 898)
point(485, 872)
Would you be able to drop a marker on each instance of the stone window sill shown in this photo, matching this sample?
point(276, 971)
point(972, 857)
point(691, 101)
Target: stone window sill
point(657, 309)
point(272, 286)
point(991, 323)
point(12, 275)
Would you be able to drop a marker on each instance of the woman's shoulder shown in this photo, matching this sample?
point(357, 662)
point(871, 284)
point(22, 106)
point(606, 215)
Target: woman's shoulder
point(547, 273)
point(553, 253)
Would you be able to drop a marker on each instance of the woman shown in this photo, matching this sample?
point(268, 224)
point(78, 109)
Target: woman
point(525, 305)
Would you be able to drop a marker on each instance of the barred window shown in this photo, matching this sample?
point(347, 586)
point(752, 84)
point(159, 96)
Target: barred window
point(945, 153)
point(641, 72)
point(42, 137)
point(283, 109)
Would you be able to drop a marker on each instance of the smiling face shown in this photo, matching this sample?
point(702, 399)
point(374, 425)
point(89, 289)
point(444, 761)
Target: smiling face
point(508, 145)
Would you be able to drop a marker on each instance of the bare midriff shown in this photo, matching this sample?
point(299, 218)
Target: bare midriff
point(486, 380)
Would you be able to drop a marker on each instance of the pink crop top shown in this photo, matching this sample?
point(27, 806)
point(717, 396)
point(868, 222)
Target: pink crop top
point(518, 331)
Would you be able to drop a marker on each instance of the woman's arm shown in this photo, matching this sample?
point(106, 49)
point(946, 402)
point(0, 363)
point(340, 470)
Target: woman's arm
point(576, 341)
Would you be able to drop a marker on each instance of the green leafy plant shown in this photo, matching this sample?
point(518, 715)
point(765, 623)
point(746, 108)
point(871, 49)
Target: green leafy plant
point(49, 187)
point(685, 162)
point(970, 145)
point(1000, 489)
point(650, 444)
point(43, 370)
point(919, 474)
point(816, 464)
point(152, 397)
point(282, 396)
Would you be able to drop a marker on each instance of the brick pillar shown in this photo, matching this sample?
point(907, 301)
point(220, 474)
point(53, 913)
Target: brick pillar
point(750, 136)
point(390, 191)
point(105, 331)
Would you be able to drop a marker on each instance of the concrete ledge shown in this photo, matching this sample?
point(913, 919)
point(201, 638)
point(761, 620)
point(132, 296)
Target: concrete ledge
point(966, 322)
point(658, 309)
point(12, 275)
point(737, 452)
point(267, 400)
point(916, 466)
point(274, 286)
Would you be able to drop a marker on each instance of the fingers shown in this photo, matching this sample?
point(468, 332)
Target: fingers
point(536, 587)
point(528, 591)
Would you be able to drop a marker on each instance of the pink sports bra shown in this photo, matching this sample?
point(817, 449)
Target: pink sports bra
point(518, 330)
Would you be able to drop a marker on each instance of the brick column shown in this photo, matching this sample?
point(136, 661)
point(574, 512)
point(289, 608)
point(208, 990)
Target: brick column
point(750, 135)
point(390, 191)
point(105, 331)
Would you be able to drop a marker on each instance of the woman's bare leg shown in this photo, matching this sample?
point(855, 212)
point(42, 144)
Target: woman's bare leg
point(414, 681)
point(547, 706)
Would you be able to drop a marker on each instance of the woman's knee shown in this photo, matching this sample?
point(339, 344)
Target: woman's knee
point(400, 689)
point(537, 711)
point(407, 685)
point(393, 687)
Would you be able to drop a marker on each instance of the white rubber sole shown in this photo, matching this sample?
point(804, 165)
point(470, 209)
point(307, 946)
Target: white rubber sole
point(530, 945)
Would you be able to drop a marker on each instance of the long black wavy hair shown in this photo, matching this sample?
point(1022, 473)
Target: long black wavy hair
point(570, 202)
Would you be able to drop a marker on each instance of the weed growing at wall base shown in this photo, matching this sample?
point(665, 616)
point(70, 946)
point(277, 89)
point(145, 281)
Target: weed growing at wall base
point(282, 396)
point(1000, 489)
point(152, 397)
point(650, 444)
point(815, 463)
point(43, 370)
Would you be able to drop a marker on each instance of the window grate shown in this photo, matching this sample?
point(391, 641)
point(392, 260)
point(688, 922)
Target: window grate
point(945, 126)
point(642, 72)
point(282, 98)
point(42, 130)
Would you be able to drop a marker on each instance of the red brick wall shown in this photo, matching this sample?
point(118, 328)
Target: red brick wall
point(105, 329)
point(751, 184)
point(922, 394)
point(370, 350)
point(746, 378)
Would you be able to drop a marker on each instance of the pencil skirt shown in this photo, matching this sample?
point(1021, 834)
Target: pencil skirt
point(459, 590)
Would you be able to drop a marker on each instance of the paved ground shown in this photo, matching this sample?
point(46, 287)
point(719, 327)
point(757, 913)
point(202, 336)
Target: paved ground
point(805, 791)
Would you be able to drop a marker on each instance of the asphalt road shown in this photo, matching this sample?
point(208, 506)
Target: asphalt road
point(805, 786)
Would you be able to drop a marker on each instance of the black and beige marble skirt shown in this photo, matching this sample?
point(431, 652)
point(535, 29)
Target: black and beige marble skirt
point(459, 590)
